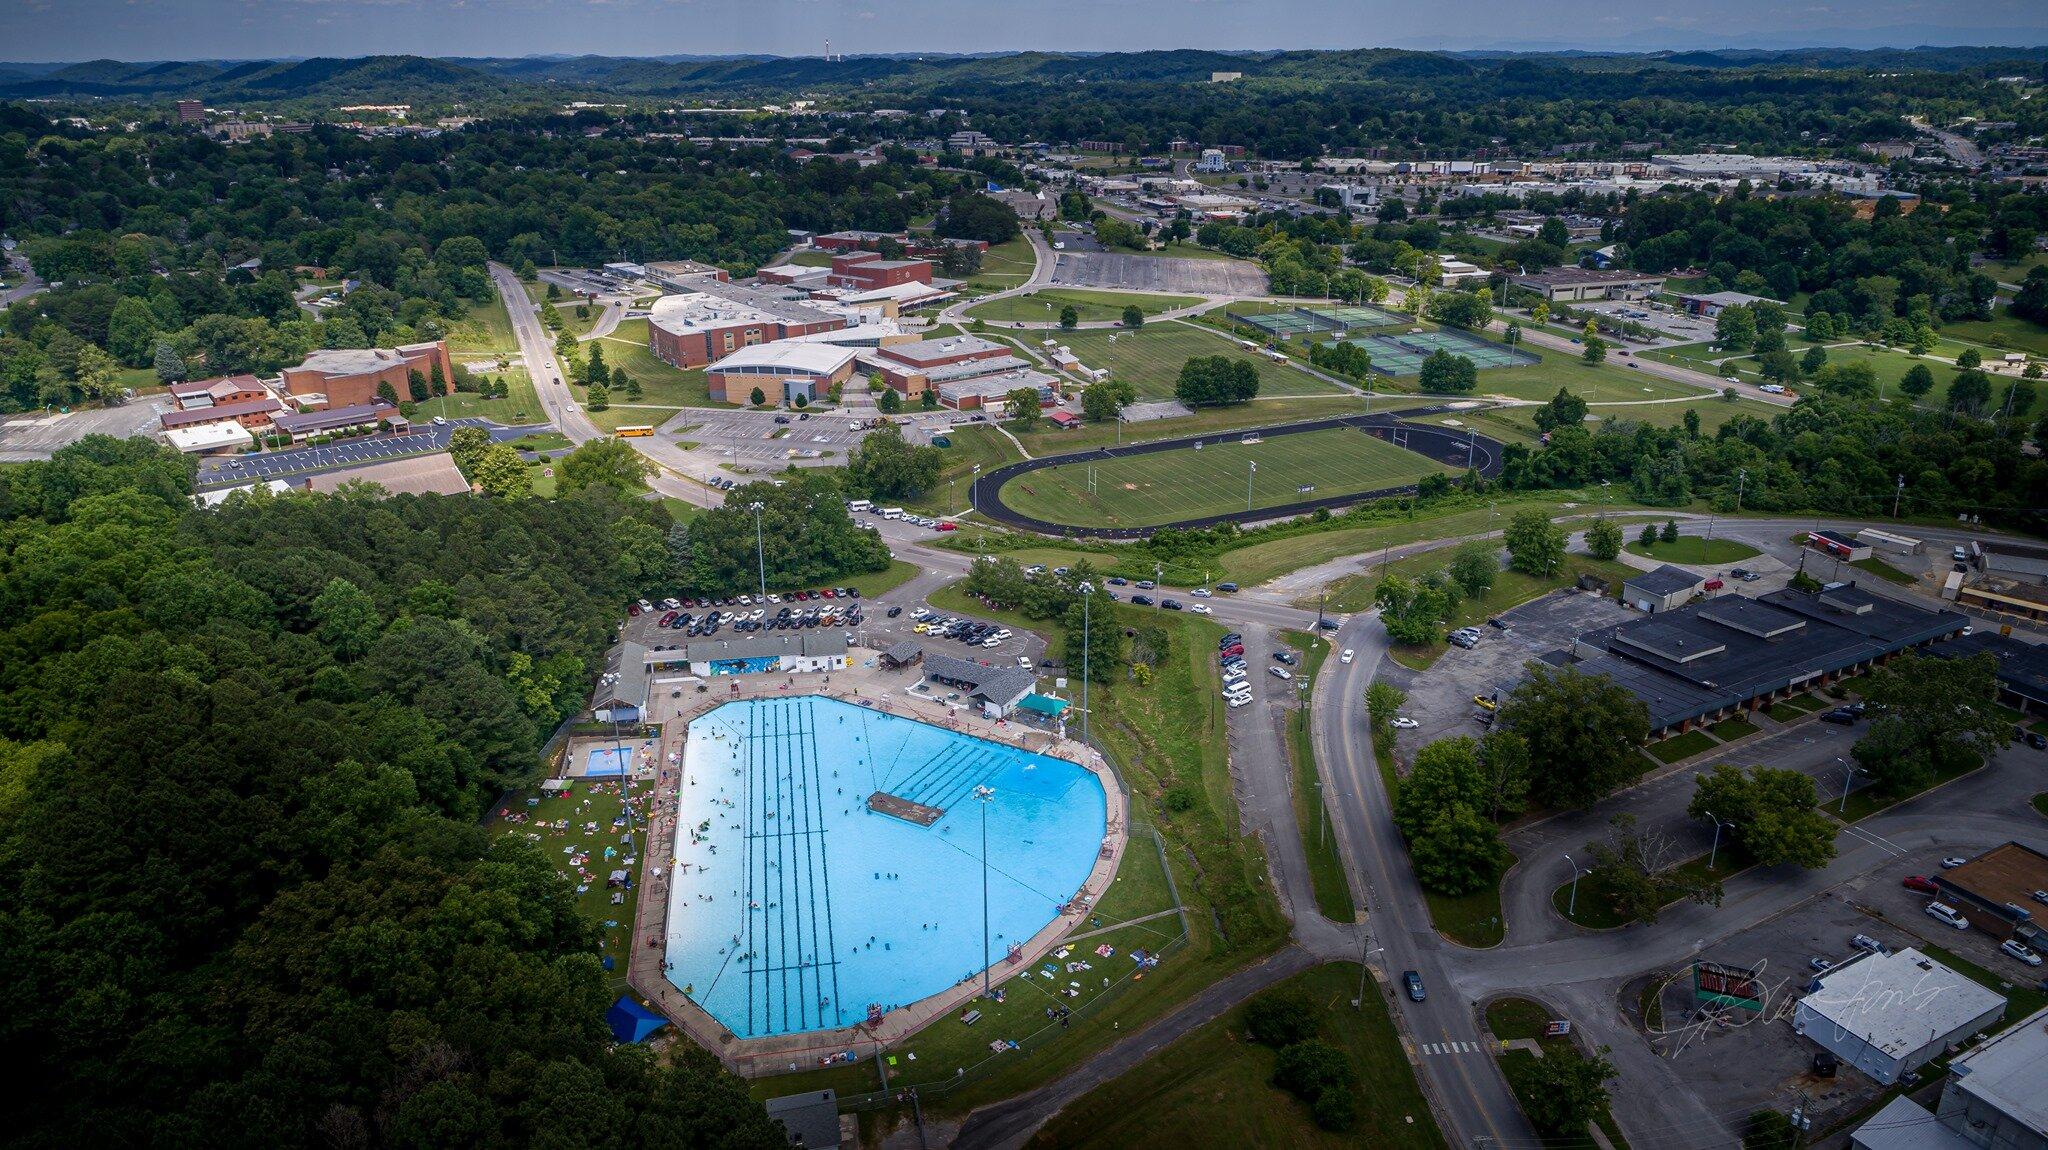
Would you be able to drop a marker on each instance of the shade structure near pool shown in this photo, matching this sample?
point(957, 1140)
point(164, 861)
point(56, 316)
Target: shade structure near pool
point(795, 906)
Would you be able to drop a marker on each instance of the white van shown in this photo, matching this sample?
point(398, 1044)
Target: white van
point(892, 513)
point(1942, 912)
point(856, 506)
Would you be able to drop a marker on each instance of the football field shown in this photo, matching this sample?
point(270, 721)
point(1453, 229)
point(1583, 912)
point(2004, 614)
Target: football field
point(1167, 486)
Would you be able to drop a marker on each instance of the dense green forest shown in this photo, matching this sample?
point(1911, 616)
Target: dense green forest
point(147, 233)
point(244, 896)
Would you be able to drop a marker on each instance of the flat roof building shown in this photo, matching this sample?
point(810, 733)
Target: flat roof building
point(995, 689)
point(207, 438)
point(1706, 660)
point(702, 326)
point(1889, 1014)
point(248, 413)
point(781, 371)
point(1663, 589)
point(2022, 667)
point(434, 474)
point(326, 421)
point(347, 377)
point(787, 653)
point(1997, 1094)
point(1712, 304)
point(1589, 283)
point(1995, 891)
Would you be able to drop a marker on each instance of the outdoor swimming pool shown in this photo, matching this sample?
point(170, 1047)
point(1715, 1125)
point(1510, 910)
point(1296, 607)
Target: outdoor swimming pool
point(794, 907)
point(607, 762)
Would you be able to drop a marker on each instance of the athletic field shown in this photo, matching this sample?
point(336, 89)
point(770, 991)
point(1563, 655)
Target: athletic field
point(1150, 359)
point(1144, 490)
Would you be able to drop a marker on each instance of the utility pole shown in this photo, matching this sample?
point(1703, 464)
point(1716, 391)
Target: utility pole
point(1898, 493)
point(1741, 477)
point(1086, 642)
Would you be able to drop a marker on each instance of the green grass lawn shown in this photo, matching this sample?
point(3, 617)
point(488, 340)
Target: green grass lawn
point(1510, 588)
point(1729, 730)
point(614, 417)
point(808, 259)
point(1469, 920)
point(543, 441)
point(1049, 440)
point(590, 809)
point(1325, 865)
point(2041, 804)
point(1518, 1065)
point(1594, 383)
point(888, 579)
point(2012, 271)
point(1092, 306)
point(1147, 489)
point(1005, 265)
point(660, 383)
point(1695, 550)
point(977, 444)
point(1516, 1018)
point(2004, 331)
point(486, 330)
point(1884, 570)
point(1683, 746)
point(1214, 1087)
point(520, 404)
point(1150, 359)
point(1194, 251)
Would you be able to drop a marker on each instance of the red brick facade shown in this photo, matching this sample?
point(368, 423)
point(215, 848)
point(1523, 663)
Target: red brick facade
point(351, 378)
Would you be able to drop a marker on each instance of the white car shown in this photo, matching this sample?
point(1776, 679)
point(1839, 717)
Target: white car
point(1347, 656)
point(1406, 724)
point(1200, 608)
point(1023, 662)
point(671, 604)
point(1240, 700)
point(1200, 592)
point(2019, 950)
point(1280, 672)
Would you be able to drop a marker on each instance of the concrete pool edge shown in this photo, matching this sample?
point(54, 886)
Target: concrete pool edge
point(761, 1057)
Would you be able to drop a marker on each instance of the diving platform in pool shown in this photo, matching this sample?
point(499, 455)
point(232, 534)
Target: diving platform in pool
point(882, 802)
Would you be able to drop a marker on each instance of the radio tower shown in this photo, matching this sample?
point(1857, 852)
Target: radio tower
point(828, 51)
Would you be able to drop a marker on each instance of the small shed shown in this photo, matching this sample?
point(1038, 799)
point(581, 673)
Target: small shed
point(809, 1120)
point(902, 655)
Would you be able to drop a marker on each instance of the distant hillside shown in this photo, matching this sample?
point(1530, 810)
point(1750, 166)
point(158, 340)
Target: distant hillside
point(403, 78)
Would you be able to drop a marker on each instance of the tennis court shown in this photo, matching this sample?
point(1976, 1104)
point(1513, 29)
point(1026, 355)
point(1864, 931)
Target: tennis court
point(1403, 354)
point(1300, 320)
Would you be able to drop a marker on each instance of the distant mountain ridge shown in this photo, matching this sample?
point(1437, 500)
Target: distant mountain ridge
point(398, 77)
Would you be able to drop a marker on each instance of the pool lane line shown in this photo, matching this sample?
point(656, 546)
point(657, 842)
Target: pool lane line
point(938, 763)
point(824, 864)
point(747, 857)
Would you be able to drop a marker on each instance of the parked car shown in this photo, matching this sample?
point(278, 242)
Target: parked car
point(1865, 942)
point(1170, 604)
point(1226, 588)
point(1118, 581)
point(1141, 600)
point(1919, 883)
point(1951, 862)
point(1143, 584)
point(1280, 672)
point(1484, 702)
point(1200, 592)
point(1459, 639)
point(893, 612)
point(1286, 657)
point(2040, 896)
point(1820, 965)
point(1412, 980)
point(1840, 716)
point(1942, 912)
point(1406, 724)
point(2037, 740)
point(1201, 609)
point(2019, 950)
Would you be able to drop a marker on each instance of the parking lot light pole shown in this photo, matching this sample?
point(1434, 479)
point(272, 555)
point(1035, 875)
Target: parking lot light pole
point(760, 553)
point(1715, 852)
point(1572, 909)
point(1849, 770)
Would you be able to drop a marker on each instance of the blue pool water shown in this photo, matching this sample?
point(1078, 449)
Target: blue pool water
point(607, 762)
point(795, 908)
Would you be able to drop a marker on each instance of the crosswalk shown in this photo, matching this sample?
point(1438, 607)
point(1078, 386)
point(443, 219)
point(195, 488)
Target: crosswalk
point(1434, 1048)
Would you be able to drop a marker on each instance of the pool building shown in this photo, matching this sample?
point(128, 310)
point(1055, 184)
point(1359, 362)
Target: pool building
point(828, 862)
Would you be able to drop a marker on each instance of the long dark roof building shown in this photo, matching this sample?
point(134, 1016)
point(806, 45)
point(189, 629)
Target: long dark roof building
point(1708, 659)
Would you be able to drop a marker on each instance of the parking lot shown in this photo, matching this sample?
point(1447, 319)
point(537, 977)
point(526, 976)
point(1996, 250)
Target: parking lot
point(24, 438)
point(1157, 274)
point(1671, 325)
point(1441, 699)
point(225, 470)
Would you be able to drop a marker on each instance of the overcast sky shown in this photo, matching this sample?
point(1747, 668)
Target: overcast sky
point(214, 29)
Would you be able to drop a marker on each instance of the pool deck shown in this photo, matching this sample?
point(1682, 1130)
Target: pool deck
point(867, 684)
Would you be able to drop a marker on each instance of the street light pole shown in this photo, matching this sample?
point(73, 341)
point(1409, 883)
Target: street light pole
point(1898, 493)
point(1086, 641)
point(1715, 852)
point(1848, 773)
point(760, 553)
point(1572, 909)
point(983, 794)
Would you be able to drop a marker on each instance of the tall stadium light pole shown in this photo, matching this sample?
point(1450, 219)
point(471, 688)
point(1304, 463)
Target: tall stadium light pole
point(982, 795)
point(1087, 641)
point(760, 552)
point(1251, 471)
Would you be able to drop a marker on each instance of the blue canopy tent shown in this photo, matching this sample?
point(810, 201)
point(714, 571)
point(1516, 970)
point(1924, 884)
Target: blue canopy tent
point(632, 1022)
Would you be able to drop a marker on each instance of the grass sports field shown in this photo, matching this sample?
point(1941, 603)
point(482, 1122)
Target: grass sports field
point(1092, 306)
point(1150, 359)
point(660, 383)
point(1145, 490)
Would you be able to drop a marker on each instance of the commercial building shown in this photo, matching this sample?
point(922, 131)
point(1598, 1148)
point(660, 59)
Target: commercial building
point(1889, 1014)
point(1665, 588)
point(335, 420)
point(781, 371)
point(249, 414)
point(191, 112)
point(857, 240)
point(994, 689)
point(1708, 660)
point(1995, 891)
point(781, 653)
point(684, 275)
point(979, 392)
point(1452, 272)
point(218, 392)
point(347, 377)
point(210, 438)
point(1890, 542)
point(434, 474)
point(1847, 548)
point(969, 140)
point(2017, 560)
point(910, 367)
point(698, 327)
point(1997, 1094)
point(1575, 284)
point(1712, 304)
point(2022, 667)
point(866, 271)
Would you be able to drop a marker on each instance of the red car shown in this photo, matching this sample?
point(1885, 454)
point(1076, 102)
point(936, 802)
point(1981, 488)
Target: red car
point(633, 609)
point(1231, 652)
point(667, 619)
point(948, 525)
point(1920, 883)
point(829, 593)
